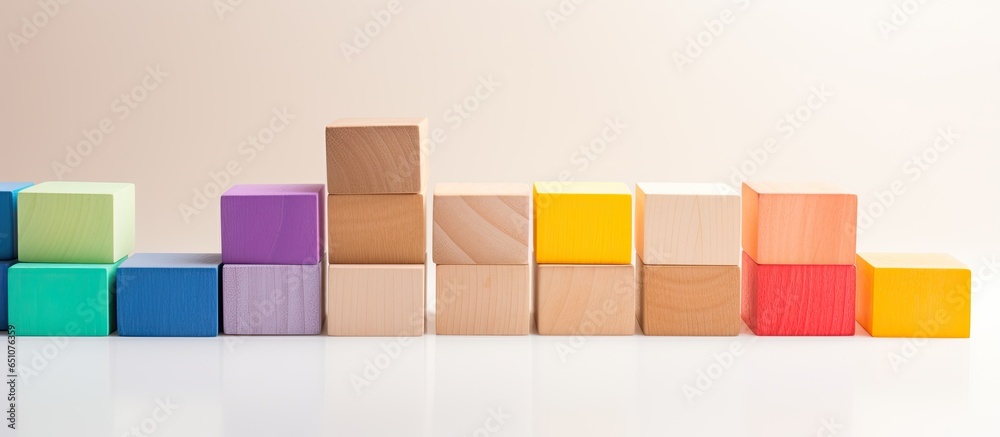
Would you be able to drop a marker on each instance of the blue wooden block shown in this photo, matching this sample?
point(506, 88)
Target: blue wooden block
point(8, 220)
point(4, 265)
point(169, 295)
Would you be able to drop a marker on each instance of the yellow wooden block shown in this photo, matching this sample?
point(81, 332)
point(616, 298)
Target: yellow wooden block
point(913, 295)
point(583, 223)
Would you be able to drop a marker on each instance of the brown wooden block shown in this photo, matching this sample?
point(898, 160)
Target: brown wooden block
point(582, 299)
point(483, 299)
point(376, 300)
point(689, 300)
point(377, 229)
point(481, 223)
point(376, 155)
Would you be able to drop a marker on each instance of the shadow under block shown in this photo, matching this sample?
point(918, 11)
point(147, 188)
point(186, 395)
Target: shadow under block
point(481, 223)
point(376, 300)
point(272, 299)
point(483, 299)
point(798, 300)
point(585, 299)
point(799, 223)
point(377, 229)
point(689, 300)
point(914, 295)
point(73, 300)
point(583, 223)
point(8, 218)
point(169, 295)
point(687, 224)
point(273, 224)
point(376, 156)
point(76, 222)
point(4, 266)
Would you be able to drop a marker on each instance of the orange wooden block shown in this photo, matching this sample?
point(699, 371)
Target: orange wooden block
point(376, 156)
point(376, 300)
point(377, 229)
point(581, 299)
point(483, 299)
point(481, 223)
point(689, 300)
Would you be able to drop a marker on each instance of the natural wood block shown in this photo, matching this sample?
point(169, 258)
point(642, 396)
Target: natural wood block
point(377, 229)
point(376, 156)
point(799, 223)
point(76, 222)
point(574, 299)
point(689, 300)
point(273, 224)
point(75, 300)
point(914, 295)
point(798, 299)
point(483, 299)
point(8, 218)
point(687, 224)
point(583, 223)
point(481, 223)
point(376, 300)
point(272, 299)
point(169, 295)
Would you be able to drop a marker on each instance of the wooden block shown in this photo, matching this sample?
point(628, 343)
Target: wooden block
point(792, 300)
point(914, 295)
point(799, 223)
point(481, 223)
point(273, 224)
point(4, 266)
point(376, 156)
point(272, 299)
point(583, 223)
point(689, 300)
point(483, 299)
point(376, 300)
point(74, 300)
point(8, 218)
point(76, 222)
point(377, 229)
point(585, 299)
point(687, 224)
point(169, 295)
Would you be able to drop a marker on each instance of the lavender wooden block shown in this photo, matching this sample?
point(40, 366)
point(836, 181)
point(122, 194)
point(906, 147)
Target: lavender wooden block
point(272, 299)
point(273, 224)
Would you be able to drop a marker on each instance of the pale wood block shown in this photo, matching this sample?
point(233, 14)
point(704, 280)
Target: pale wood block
point(377, 229)
point(376, 155)
point(689, 300)
point(687, 224)
point(376, 300)
point(581, 299)
point(481, 223)
point(483, 299)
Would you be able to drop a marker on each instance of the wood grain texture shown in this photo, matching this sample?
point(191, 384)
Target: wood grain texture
point(376, 156)
point(75, 300)
point(168, 295)
point(483, 299)
point(273, 224)
point(794, 300)
point(4, 266)
point(481, 223)
point(689, 300)
point(376, 300)
point(582, 223)
point(377, 229)
point(272, 299)
point(687, 224)
point(914, 295)
point(8, 218)
point(585, 299)
point(799, 223)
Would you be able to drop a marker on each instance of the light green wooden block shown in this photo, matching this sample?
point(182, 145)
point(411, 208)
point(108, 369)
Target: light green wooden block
point(76, 222)
point(62, 299)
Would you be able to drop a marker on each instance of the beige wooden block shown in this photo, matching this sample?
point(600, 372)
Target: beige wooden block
point(376, 300)
point(481, 223)
point(689, 300)
point(377, 229)
point(376, 156)
point(687, 224)
point(483, 299)
point(581, 299)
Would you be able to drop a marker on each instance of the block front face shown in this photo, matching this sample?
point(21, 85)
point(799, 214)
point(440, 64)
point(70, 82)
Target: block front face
point(481, 223)
point(483, 299)
point(585, 299)
point(272, 299)
point(583, 223)
point(687, 224)
point(4, 265)
point(376, 156)
point(8, 218)
point(62, 299)
point(377, 229)
point(690, 300)
point(376, 300)
point(169, 295)
point(273, 224)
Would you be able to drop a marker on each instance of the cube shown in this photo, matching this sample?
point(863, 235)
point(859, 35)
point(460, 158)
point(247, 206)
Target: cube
point(377, 229)
point(376, 156)
point(481, 223)
point(4, 266)
point(583, 223)
point(273, 224)
point(914, 295)
point(689, 300)
point(574, 299)
point(799, 223)
point(8, 218)
point(479, 299)
point(169, 295)
point(687, 224)
point(272, 299)
point(76, 222)
point(75, 300)
point(376, 300)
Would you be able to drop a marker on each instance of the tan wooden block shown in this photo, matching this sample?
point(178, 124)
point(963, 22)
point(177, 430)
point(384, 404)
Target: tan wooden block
point(687, 224)
point(481, 223)
point(376, 156)
point(377, 229)
point(477, 299)
point(689, 300)
point(376, 300)
point(582, 299)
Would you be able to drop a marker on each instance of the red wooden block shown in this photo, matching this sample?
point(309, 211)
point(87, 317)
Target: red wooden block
point(798, 299)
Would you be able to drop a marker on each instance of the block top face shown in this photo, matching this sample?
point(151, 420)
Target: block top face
point(13, 187)
point(481, 189)
point(685, 189)
point(557, 188)
point(106, 268)
point(274, 190)
point(376, 156)
point(912, 261)
point(796, 188)
point(59, 187)
point(173, 260)
point(379, 122)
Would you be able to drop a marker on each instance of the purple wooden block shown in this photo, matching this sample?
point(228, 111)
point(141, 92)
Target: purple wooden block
point(273, 224)
point(272, 299)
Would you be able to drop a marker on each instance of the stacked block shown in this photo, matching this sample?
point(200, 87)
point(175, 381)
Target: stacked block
point(169, 295)
point(377, 178)
point(4, 266)
point(49, 299)
point(483, 259)
point(8, 218)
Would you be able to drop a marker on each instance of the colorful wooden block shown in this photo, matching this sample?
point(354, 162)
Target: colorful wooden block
point(8, 218)
point(781, 299)
point(799, 223)
point(914, 295)
point(483, 299)
point(376, 156)
point(62, 299)
point(583, 223)
point(4, 266)
point(689, 300)
point(76, 222)
point(376, 300)
point(687, 224)
point(273, 224)
point(481, 223)
point(575, 299)
point(169, 295)
point(272, 299)
point(377, 229)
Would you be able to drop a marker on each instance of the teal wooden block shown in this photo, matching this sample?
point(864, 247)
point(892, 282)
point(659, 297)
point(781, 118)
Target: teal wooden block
point(74, 300)
point(8, 218)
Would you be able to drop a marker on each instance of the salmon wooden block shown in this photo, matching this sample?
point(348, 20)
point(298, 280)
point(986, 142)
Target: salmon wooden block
point(687, 224)
point(273, 224)
point(914, 295)
point(575, 299)
point(272, 299)
point(689, 300)
point(376, 300)
point(377, 229)
point(583, 223)
point(376, 156)
point(8, 219)
point(483, 299)
point(799, 223)
point(481, 223)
